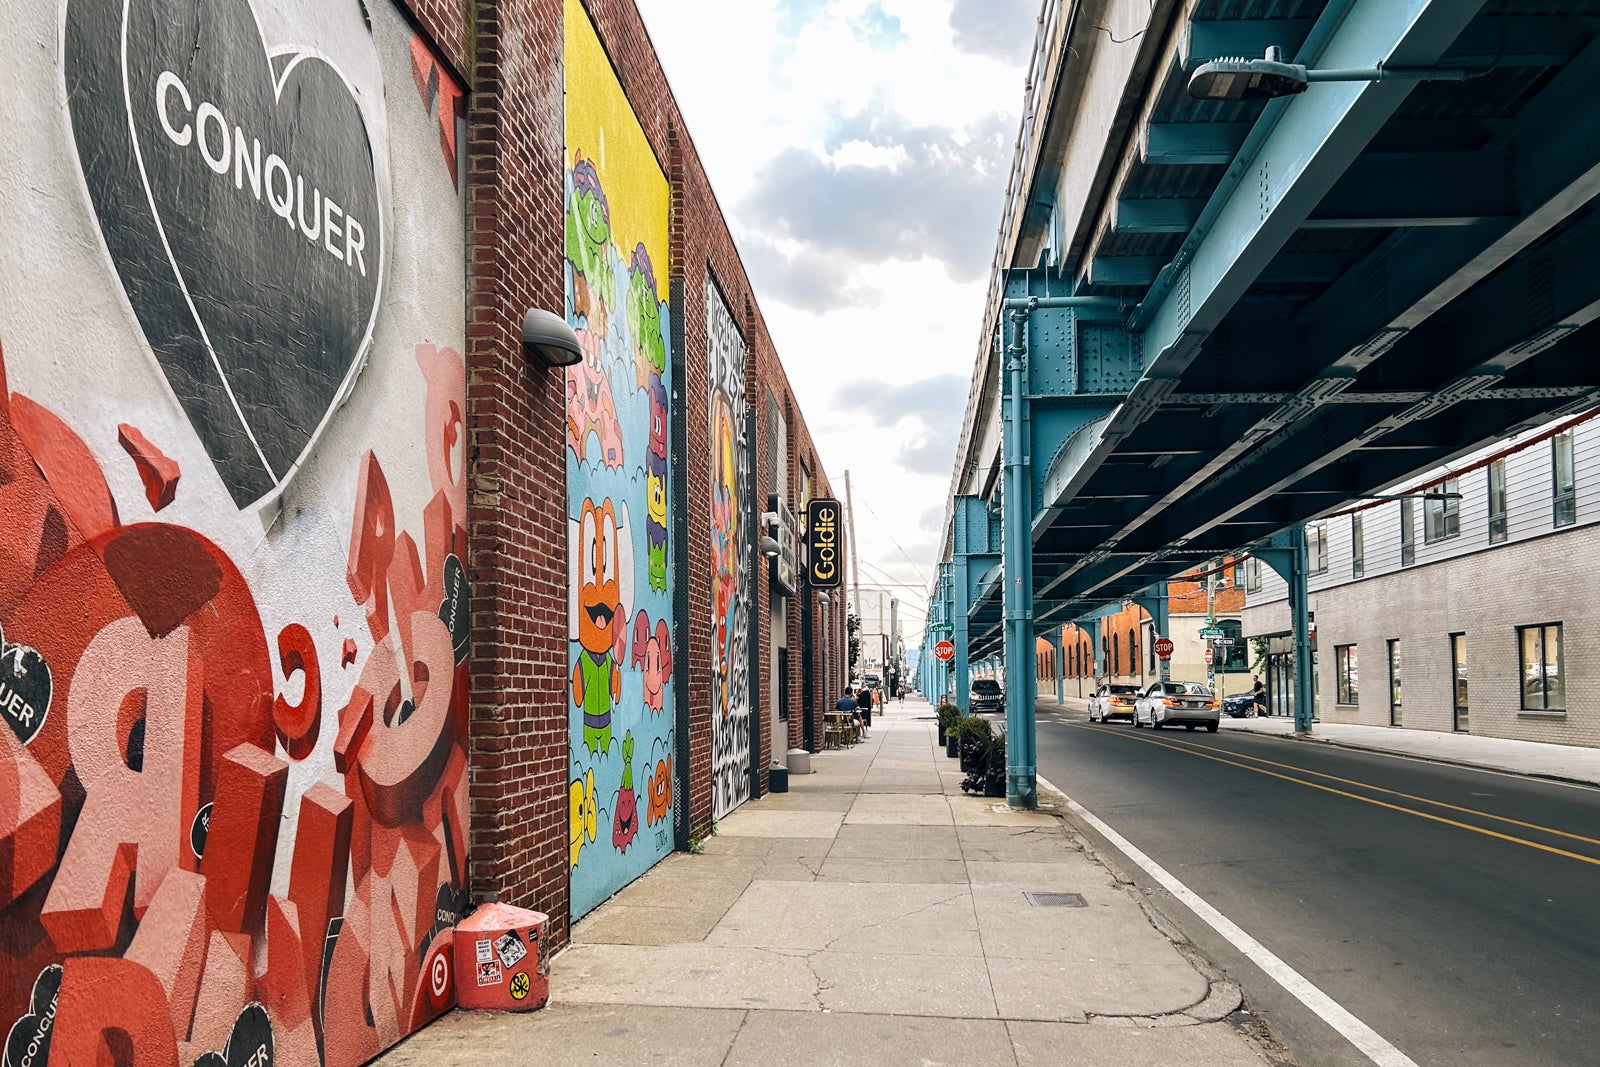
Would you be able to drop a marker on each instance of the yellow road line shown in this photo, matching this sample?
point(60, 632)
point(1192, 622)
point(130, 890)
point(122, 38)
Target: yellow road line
point(1196, 751)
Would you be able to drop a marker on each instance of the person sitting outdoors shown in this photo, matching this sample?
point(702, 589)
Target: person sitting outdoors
point(846, 707)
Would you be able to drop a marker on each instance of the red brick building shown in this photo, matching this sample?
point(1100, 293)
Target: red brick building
point(373, 607)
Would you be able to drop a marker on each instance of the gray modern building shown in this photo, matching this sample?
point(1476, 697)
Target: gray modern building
point(1466, 603)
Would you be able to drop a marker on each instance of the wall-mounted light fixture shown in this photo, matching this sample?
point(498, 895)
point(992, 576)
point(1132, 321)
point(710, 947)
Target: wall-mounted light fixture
point(1238, 78)
point(769, 547)
point(548, 337)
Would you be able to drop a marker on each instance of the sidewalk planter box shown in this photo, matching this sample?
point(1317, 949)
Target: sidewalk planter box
point(972, 739)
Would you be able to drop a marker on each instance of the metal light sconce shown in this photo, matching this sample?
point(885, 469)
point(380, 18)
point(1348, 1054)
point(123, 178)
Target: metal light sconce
point(1238, 78)
point(548, 337)
point(769, 544)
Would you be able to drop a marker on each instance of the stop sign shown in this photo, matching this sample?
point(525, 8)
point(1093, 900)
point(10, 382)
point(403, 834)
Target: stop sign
point(945, 651)
point(1208, 655)
point(1163, 648)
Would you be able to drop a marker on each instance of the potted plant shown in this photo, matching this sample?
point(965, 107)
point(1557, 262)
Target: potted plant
point(948, 715)
point(973, 741)
point(994, 778)
point(952, 739)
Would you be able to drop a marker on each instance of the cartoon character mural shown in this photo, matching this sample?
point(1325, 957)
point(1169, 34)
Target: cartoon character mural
point(619, 423)
point(233, 611)
point(731, 712)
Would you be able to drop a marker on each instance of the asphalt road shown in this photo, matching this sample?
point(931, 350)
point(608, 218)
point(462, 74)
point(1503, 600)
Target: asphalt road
point(1454, 911)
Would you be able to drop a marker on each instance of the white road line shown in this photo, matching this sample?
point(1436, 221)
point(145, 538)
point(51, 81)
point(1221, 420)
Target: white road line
point(1325, 1007)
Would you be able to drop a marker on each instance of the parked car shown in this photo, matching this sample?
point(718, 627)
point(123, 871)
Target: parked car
point(1186, 704)
point(1112, 701)
point(1239, 706)
point(986, 695)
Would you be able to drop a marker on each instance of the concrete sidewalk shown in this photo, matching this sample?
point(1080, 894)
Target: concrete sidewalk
point(873, 915)
point(1538, 759)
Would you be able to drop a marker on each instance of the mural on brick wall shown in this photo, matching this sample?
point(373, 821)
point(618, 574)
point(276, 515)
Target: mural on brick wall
point(233, 606)
point(731, 719)
point(618, 420)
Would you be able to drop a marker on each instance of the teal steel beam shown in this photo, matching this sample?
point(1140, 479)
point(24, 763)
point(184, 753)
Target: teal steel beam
point(1206, 40)
point(975, 553)
point(1277, 182)
point(1508, 41)
point(1021, 762)
point(1156, 216)
point(1059, 664)
point(1187, 144)
point(1154, 601)
point(1286, 553)
point(1135, 271)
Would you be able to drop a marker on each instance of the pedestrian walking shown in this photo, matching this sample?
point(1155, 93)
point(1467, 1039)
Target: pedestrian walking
point(1258, 697)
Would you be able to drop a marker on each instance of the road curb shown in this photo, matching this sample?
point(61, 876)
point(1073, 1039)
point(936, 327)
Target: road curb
point(1313, 738)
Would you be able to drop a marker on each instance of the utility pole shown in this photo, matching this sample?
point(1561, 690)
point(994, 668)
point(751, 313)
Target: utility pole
point(855, 548)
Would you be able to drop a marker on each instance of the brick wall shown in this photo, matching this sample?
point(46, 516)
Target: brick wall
point(516, 411)
point(516, 414)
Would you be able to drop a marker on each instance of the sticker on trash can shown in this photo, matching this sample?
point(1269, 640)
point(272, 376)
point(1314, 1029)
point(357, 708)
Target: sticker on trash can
point(510, 949)
point(488, 973)
point(485, 953)
point(519, 986)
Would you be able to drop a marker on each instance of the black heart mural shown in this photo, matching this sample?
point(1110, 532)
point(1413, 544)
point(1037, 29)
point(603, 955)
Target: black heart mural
point(28, 1043)
point(237, 195)
point(24, 689)
point(249, 1045)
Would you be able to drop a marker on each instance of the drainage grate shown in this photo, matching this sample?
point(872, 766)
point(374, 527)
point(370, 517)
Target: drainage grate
point(1056, 900)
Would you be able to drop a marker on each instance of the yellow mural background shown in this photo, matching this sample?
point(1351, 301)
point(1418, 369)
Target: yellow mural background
point(636, 189)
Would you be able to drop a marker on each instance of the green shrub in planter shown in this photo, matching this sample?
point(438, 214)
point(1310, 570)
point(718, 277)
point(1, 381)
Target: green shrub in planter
point(974, 735)
point(948, 715)
point(994, 779)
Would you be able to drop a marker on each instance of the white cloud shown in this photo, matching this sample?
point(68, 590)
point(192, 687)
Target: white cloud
point(859, 150)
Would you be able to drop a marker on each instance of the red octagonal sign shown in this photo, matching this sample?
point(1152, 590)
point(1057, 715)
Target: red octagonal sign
point(945, 650)
point(1163, 648)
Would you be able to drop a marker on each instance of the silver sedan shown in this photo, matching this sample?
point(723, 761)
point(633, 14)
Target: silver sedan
point(1186, 704)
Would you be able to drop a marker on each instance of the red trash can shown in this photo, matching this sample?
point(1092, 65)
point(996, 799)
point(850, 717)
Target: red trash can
point(499, 965)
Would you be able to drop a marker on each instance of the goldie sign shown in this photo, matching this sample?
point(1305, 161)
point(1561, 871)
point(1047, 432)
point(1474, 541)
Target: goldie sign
point(824, 568)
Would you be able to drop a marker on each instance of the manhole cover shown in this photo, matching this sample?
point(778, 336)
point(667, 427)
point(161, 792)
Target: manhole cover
point(1056, 900)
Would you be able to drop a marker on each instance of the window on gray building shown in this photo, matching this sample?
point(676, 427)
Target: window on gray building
point(1539, 652)
point(1408, 532)
point(1317, 547)
point(1344, 665)
point(1252, 575)
point(1441, 518)
point(1394, 682)
point(1497, 501)
point(1566, 498)
point(1358, 548)
point(1458, 674)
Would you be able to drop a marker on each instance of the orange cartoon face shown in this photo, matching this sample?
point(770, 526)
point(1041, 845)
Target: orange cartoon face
point(660, 792)
point(599, 582)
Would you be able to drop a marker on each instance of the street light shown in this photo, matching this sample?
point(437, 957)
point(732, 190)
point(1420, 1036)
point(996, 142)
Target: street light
point(1238, 78)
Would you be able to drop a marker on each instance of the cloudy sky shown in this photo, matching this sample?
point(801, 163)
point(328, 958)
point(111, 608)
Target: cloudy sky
point(859, 150)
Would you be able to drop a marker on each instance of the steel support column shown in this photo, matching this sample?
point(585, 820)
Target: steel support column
point(1021, 769)
point(1286, 553)
point(1154, 601)
point(1058, 664)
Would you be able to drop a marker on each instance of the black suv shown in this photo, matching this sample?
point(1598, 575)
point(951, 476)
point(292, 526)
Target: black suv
point(986, 695)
